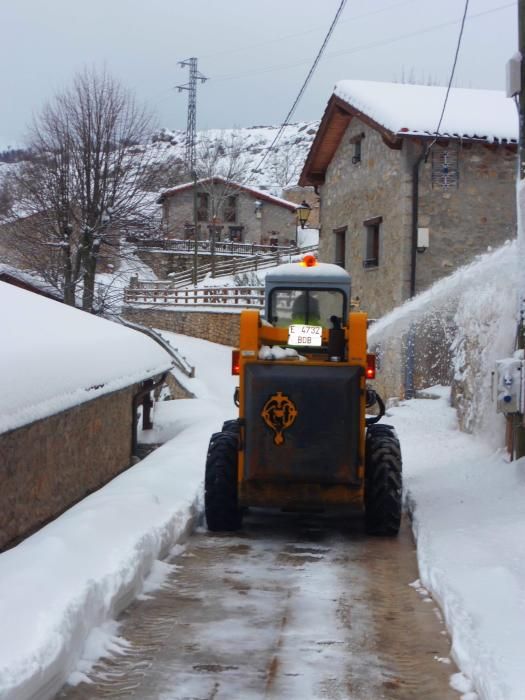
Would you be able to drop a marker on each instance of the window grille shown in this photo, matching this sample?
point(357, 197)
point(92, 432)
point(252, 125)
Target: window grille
point(445, 167)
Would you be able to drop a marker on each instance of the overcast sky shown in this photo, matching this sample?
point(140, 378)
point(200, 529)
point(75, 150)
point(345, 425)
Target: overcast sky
point(255, 54)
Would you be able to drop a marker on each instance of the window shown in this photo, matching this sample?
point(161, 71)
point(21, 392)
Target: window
point(314, 307)
point(236, 233)
point(203, 205)
point(340, 246)
point(445, 167)
point(230, 209)
point(356, 140)
point(372, 228)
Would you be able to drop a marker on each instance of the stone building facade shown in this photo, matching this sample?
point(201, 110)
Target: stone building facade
point(398, 221)
point(229, 211)
point(401, 209)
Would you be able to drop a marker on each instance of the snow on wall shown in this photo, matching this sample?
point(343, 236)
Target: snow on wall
point(53, 357)
point(480, 302)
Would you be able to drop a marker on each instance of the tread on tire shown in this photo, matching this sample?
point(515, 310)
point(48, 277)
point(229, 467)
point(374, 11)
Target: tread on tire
point(383, 481)
point(220, 484)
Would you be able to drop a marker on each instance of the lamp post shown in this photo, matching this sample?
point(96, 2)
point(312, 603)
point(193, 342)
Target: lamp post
point(303, 213)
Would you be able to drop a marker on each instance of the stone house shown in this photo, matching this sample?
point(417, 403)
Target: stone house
point(229, 211)
point(401, 208)
point(72, 384)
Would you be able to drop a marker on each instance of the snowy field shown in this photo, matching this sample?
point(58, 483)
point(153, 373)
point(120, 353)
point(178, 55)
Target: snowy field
point(61, 589)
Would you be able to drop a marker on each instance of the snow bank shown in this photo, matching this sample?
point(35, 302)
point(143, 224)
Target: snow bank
point(61, 588)
point(477, 305)
point(467, 505)
point(79, 571)
point(54, 357)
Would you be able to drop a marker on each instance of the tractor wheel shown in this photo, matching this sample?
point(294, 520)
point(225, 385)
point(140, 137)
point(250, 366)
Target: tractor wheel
point(383, 481)
point(220, 484)
point(231, 426)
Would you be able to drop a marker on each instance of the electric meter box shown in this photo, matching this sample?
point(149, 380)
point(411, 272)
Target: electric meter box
point(509, 389)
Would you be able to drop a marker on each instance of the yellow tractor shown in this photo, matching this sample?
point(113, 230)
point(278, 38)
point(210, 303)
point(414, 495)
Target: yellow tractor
point(303, 440)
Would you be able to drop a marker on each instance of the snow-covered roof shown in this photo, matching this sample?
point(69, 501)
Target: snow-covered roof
point(32, 280)
point(54, 357)
point(257, 194)
point(415, 109)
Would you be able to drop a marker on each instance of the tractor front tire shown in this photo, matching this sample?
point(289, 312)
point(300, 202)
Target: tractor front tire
point(220, 484)
point(383, 481)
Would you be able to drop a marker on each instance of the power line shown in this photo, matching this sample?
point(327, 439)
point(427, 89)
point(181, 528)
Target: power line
point(250, 48)
point(303, 87)
point(451, 77)
point(370, 45)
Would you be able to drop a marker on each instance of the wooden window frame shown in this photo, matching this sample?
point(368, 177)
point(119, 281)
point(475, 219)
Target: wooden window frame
point(356, 140)
point(230, 209)
point(372, 242)
point(203, 206)
point(340, 233)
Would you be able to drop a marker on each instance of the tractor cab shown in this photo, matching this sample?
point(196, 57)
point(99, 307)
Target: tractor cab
point(307, 292)
point(311, 300)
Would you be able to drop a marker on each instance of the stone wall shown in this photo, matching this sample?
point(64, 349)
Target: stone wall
point(51, 464)
point(164, 262)
point(218, 327)
point(376, 186)
point(466, 219)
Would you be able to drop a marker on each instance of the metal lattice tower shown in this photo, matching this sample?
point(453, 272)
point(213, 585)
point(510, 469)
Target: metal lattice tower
point(191, 125)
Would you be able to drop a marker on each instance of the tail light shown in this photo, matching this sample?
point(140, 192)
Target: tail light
point(235, 362)
point(370, 371)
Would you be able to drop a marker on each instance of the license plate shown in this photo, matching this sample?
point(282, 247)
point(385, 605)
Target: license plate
point(305, 336)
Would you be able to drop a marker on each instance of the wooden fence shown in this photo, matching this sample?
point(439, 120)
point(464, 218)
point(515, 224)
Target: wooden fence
point(206, 246)
point(228, 266)
point(161, 293)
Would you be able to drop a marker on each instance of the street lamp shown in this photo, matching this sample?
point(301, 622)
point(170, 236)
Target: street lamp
point(303, 212)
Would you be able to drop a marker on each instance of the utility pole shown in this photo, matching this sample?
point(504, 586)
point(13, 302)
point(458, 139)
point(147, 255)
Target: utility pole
point(191, 137)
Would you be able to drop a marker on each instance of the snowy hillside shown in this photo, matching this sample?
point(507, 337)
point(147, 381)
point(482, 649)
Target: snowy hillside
point(242, 150)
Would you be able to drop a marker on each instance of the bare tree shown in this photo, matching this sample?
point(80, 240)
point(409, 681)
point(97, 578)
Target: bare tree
point(220, 166)
point(84, 184)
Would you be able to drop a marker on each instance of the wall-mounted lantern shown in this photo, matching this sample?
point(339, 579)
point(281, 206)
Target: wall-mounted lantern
point(303, 212)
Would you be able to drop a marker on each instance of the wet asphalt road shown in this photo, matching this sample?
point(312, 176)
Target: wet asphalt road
point(293, 607)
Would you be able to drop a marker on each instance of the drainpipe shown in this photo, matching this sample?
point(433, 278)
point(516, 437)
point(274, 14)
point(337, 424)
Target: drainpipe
point(415, 216)
point(410, 346)
point(142, 397)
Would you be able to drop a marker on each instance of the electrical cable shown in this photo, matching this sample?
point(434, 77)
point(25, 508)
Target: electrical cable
point(303, 87)
point(363, 47)
point(286, 37)
point(436, 134)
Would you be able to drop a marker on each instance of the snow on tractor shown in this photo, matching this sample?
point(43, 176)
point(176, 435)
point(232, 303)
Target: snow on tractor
point(302, 440)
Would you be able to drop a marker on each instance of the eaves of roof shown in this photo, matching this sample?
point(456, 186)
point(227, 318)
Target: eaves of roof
point(336, 118)
point(256, 194)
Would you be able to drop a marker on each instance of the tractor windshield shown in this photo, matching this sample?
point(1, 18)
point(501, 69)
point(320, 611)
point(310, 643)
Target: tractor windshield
point(314, 307)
